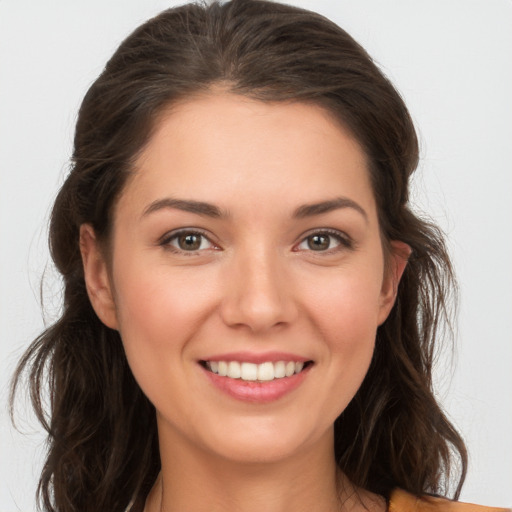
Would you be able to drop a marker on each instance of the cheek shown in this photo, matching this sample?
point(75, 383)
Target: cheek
point(345, 311)
point(158, 312)
point(152, 296)
point(347, 302)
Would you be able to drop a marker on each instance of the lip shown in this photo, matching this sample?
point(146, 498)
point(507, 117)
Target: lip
point(257, 391)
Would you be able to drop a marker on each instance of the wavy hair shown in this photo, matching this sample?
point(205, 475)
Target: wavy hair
point(102, 437)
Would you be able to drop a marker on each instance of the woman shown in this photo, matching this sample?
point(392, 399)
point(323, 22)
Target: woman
point(250, 305)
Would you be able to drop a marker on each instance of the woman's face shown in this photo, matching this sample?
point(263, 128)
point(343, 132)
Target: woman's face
point(246, 242)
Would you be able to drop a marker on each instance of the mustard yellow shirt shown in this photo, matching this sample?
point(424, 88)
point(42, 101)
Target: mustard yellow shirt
point(401, 501)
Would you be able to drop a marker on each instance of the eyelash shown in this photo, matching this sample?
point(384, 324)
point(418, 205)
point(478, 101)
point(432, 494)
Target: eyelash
point(167, 239)
point(343, 240)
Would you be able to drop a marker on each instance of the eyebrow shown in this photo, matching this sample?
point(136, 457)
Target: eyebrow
point(197, 207)
point(310, 210)
point(210, 210)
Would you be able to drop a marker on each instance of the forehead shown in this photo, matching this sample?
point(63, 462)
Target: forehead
point(221, 147)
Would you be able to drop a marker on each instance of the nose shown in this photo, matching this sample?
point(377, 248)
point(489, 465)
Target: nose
point(258, 294)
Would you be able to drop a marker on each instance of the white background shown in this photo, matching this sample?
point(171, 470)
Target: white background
point(451, 60)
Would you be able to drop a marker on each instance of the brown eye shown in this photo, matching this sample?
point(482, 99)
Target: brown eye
point(325, 241)
point(319, 242)
point(190, 242)
point(187, 241)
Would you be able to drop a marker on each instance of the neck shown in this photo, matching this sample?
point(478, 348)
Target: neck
point(203, 482)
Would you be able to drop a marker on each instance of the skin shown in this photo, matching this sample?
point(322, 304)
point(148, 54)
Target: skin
point(254, 285)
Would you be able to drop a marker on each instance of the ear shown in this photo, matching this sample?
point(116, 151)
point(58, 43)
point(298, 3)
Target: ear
point(398, 257)
point(96, 277)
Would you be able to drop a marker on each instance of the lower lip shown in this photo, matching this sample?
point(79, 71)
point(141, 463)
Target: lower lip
point(257, 391)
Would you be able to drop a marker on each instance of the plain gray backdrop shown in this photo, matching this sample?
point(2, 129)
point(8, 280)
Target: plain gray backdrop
point(452, 62)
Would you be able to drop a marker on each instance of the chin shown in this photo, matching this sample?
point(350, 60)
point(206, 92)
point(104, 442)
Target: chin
point(255, 452)
point(266, 444)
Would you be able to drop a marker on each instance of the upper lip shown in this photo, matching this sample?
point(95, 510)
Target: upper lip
point(257, 358)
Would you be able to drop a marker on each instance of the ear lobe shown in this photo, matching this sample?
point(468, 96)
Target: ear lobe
point(96, 277)
point(398, 258)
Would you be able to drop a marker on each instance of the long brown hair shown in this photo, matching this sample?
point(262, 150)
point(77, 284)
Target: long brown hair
point(102, 438)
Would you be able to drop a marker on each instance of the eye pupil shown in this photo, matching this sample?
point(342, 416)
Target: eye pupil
point(189, 242)
point(318, 242)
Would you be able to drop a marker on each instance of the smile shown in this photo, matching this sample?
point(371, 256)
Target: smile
point(264, 372)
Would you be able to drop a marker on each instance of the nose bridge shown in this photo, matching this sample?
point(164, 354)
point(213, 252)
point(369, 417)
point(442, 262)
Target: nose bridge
point(258, 294)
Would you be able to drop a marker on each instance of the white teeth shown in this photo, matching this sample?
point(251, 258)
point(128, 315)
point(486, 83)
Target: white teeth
point(234, 370)
point(223, 368)
point(279, 370)
point(266, 371)
point(251, 372)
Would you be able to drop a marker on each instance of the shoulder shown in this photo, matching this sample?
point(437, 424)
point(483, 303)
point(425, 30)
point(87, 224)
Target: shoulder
point(401, 501)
